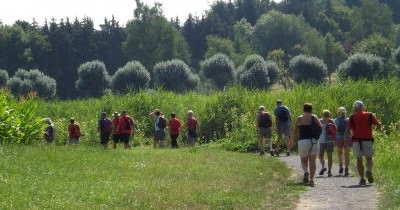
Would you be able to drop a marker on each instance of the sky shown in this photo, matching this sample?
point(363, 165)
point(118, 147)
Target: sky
point(12, 10)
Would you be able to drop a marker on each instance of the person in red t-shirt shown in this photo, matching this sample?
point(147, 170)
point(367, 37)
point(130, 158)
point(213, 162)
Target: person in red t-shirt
point(174, 128)
point(116, 134)
point(192, 126)
point(360, 125)
point(74, 132)
point(126, 128)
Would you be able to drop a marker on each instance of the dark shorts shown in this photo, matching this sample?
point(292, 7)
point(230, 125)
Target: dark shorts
point(125, 138)
point(328, 147)
point(117, 138)
point(104, 138)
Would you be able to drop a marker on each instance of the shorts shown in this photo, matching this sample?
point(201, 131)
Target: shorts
point(191, 139)
point(308, 148)
point(328, 147)
point(73, 141)
point(159, 136)
point(264, 133)
point(284, 130)
point(117, 138)
point(104, 138)
point(363, 148)
point(341, 143)
point(125, 138)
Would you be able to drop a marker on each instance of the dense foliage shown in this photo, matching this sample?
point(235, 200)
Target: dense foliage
point(175, 75)
point(33, 81)
point(220, 69)
point(308, 69)
point(133, 76)
point(361, 66)
point(254, 73)
point(93, 79)
point(3, 77)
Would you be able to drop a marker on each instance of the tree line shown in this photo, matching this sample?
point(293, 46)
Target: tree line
point(253, 42)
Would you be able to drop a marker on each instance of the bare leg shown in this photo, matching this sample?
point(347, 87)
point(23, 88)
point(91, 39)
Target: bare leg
point(312, 163)
point(369, 164)
point(340, 156)
point(346, 156)
point(304, 164)
point(321, 158)
point(360, 167)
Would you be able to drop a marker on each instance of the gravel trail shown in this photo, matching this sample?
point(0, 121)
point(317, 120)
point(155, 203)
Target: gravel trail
point(334, 192)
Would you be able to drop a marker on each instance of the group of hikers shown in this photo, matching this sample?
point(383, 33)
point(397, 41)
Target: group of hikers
point(121, 129)
point(317, 136)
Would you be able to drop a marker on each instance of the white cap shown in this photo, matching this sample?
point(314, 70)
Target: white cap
point(342, 109)
point(358, 104)
point(260, 108)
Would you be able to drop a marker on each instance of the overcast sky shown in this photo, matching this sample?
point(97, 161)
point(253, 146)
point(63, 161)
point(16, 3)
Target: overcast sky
point(12, 10)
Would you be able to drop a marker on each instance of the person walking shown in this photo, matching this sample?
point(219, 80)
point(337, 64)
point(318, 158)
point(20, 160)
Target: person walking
point(49, 134)
point(309, 128)
point(74, 132)
point(116, 133)
point(343, 147)
point(263, 125)
point(160, 123)
point(283, 125)
point(126, 128)
point(326, 141)
point(360, 126)
point(192, 127)
point(174, 128)
point(105, 128)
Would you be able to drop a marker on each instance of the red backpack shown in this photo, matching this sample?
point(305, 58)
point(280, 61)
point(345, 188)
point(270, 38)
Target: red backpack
point(331, 129)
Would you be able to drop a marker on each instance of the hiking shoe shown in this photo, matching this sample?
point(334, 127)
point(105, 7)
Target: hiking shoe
point(346, 172)
point(322, 171)
point(370, 178)
point(311, 183)
point(305, 179)
point(341, 171)
point(329, 173)
point(288, 154)
point(272, 153)
point(362, 182)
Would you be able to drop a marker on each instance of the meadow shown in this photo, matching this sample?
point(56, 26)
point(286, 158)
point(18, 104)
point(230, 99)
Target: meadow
point(39, 176)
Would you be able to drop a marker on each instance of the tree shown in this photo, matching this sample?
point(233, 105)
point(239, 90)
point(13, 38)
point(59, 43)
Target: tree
point(242, 40)
point(133, 76)
point(151, 38)
point(219, 45)
point(220, 69)
point(175, 75)
point(396, 55)
point(25, 82)
point(254, 73)
point(3, 77)
point(308, 69)
point(93, 79)
point(284, 78)
point(361, 66)
point(334, 54)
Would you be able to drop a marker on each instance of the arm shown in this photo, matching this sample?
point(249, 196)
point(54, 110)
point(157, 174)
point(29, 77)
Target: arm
point(294, 133)
point(347, 134)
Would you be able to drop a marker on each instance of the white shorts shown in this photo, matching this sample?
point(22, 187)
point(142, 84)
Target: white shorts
point(308, 148)
point(363, 149)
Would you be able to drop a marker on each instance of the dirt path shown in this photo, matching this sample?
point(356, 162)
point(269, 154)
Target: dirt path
point(335, 192)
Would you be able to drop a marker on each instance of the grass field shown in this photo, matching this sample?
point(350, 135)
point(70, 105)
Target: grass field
point(50, 177)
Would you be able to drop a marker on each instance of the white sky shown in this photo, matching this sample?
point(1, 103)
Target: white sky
point(12, 10)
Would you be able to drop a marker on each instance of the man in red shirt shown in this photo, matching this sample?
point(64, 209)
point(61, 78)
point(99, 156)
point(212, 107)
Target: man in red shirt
point(360, 125)
point(74, 132)
point(192, 126)
point(126, 128)
point(174, 128)
point(116, 134)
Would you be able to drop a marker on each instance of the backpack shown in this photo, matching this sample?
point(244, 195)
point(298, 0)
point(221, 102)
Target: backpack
point(264, 120)
point(341, 126)
point(331, 129)
point(128, 124)
point(282, 114)
point(106, 126)
point(316, 130)
point(162, 123)
point(77, 131)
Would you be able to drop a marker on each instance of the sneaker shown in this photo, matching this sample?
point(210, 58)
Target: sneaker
point(329, 173)
point(305, 179)
point(311, 183)
point(272, 153)
point(341, 171)
point(288, 154)
point(322, 171)
point(370, 178)
point(346, 172)
point(362, 182)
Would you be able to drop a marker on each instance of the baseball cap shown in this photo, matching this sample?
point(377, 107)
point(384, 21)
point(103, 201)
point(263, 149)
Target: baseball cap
point(279, 101)
point(261, 108)
point(358, 104)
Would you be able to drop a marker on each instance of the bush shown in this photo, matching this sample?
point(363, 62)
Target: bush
point(308, 69)
point(175, 75)
point(24, 82)
point(133, 76)
point(93, 79)
point(361, 66)
point(254, 73)
point(273, 72)
point(220, 69)
point(396, 55)
point(3, 77)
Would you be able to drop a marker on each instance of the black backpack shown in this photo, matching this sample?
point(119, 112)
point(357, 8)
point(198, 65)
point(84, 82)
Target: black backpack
point(264, 120)
point(162, 123)
point(316, 130)
point(283, 114)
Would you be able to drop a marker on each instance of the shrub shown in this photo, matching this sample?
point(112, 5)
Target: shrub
point(361, 66)
point(24, 82)
point(93, 79)
point(249, 63)
point(255, 77)
point(3, 77)
point(397, 55)
point(175, 75)
point(220, 69)
point(273, 72)
point(132, 76)
point(308, 69)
